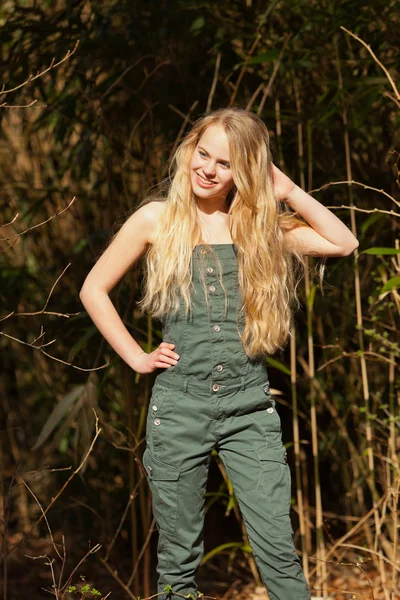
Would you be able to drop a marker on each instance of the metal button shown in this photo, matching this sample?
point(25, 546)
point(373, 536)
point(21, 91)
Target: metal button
point(150, 470)
point(211, 288)
point(217, 328)
point(154, 407)
point(270, 410)
point(266, 389)
point(210, 270)
point(219, 368)
point(157, 421)
point(215, 387)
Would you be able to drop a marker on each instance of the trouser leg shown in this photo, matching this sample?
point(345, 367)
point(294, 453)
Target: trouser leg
point(255, 459)
point(176, 460)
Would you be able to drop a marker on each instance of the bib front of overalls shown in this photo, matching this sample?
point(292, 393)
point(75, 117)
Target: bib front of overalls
point(217, 398)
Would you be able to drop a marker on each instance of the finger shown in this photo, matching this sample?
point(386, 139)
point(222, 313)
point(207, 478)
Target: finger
point(168, 359)
point(167, 345)
point(167, 352)
point(161, 365)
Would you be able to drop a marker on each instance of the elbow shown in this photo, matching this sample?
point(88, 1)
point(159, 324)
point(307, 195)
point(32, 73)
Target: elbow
point(84, 294)
point(88, 291)
point(350, 249)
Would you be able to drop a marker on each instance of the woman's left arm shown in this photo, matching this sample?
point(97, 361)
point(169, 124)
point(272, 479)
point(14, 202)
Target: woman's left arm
point(327, 235)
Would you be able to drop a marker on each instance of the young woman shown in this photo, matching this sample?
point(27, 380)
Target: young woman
point(221, 275)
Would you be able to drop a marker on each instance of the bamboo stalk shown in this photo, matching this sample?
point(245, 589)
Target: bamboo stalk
point(364, 373)
point(310, 291)
point(297, 454)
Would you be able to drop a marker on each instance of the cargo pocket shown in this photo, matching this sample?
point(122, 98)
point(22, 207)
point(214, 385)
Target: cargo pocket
point(163, 482)
point(275, 480)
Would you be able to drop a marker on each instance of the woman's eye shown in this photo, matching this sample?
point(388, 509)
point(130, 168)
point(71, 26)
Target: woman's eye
point(202, 153)
point(225, 165)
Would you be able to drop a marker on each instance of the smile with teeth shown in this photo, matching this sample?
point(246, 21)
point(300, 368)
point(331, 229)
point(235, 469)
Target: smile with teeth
point(205, 182)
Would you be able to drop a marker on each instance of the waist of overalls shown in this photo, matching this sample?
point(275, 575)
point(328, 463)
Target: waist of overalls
point(257, 375)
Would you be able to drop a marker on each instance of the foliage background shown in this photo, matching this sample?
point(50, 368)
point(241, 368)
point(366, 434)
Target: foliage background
point(104, 124)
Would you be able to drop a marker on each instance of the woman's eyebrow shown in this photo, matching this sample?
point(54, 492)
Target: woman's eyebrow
point(220, 159)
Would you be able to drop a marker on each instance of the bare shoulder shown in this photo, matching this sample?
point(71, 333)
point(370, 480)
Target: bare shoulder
point(129, 244)
point(149, 216)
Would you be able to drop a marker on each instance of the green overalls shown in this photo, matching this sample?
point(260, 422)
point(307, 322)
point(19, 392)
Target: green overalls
point(217, 398)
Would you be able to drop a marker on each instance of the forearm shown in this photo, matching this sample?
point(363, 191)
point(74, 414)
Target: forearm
point(107, 320)
point(321, 219)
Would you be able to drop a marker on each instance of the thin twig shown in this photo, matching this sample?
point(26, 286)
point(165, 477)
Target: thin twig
point(116, 82)
point(56, 214)
point(5, 105)
point(214, 83)
point(132, 496)
point(268, 87)
point(44, 516)
point(352, 182)
point(142, 551)
point(243, 69)
point(376, 59)
point(53, 65)
point(55, 498)
point(53, 357)
point(114, 574)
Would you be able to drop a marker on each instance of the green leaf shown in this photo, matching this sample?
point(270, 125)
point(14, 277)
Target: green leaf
point(311, 296)
point(371, 220)
point(82, 342)
point(197, 25)
point(267, 56)
point(57, 414)
point(381, 251)
point(222, 547)
point(277, 364)
point(168, 589)
point(392, 284)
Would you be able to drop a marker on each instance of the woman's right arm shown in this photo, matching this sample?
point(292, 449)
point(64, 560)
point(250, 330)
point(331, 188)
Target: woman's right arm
point(128, 246)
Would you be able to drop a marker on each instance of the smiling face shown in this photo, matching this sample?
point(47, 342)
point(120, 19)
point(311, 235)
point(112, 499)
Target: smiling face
point(210, 170)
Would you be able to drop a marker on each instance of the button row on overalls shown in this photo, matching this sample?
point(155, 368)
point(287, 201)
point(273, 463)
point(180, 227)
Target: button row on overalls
point(210, 270)
point(157, 422)
point(219, 368)
point(211, 288)
point(215, 387)
point(217, 328)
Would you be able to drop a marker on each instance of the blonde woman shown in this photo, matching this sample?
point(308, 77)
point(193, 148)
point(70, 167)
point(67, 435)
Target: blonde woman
point(222, 265)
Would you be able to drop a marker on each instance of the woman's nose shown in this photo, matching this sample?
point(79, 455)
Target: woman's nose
point(209, 168)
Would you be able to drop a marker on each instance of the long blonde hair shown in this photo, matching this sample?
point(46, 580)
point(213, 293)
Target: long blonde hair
point(268, 270)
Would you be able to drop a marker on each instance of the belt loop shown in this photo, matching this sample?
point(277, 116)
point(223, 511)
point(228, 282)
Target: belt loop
point(242, 383)
point(185, 384)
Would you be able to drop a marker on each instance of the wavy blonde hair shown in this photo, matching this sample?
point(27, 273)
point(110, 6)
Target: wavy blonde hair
point(268, 269)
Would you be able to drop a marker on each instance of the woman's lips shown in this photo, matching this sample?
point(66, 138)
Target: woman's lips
point(204, 183)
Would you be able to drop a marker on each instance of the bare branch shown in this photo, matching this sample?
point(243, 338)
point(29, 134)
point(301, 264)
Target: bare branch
point(366, 187)
point(59, 212)
point(376, 59)
point(53, 65)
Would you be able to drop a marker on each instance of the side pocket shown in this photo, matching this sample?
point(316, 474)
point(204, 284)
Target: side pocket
point(275, 479)
point(163, 482)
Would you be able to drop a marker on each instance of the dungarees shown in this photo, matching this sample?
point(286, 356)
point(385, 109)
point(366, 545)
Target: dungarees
point(217, 398)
